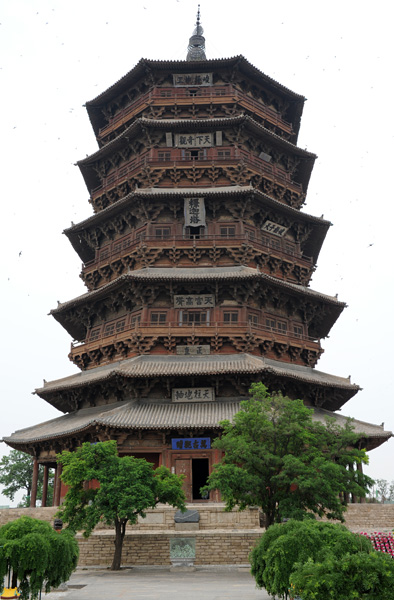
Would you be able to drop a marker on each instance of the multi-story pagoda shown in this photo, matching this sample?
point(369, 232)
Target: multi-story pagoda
point(197, 262)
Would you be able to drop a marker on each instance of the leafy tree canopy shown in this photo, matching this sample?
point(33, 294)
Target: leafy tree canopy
point(36, 556)
point(16, 474)
point(278, 458)
point(127, 487)
point(284, 546)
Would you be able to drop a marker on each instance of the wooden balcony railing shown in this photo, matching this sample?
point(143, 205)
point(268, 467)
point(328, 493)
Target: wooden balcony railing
point(226, 94)
point(127, 170)
point(176, 329)
point(127, 244)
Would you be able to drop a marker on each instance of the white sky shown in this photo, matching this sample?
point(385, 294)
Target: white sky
point(56, 55)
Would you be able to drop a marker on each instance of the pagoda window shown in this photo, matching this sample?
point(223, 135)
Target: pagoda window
point(194, 154)
point(162, 233)
point(109, 329)
point(298, 330)
point(164, 155)
point(253, 319)
point(166, 93)
point(230, 316)
point(289, 248)
point(220, 91)
point(275, 244)
point(121, 244)
point(276, 324)
point(224, 153)
point(120, 325)
point(94, 334)
point(194, 317)
point(114, 327)
point(250, 234)
point(135, 320)
point(194, 233)
point(281, 326)
point(227, 232)
point(158, 318)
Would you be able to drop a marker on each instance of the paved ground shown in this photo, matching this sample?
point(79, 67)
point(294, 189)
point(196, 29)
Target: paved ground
point(228, 583)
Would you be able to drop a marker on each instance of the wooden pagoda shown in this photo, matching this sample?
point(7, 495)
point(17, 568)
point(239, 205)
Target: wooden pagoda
point(197, 262)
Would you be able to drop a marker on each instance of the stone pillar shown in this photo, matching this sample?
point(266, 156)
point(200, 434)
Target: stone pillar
point(45, 486)
point(34, 483)
point(57, 485)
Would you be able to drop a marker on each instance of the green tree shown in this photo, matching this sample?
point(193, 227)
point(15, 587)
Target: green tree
point(16, 474)
point(284, 546)
point(278, 458)
point(34, 556)
point(127, 487)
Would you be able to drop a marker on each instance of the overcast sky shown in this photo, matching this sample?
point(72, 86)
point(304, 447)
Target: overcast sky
point(56, 55)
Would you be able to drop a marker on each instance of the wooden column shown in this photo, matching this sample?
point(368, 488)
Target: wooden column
point(360, 468)
point(45, 486)
point(34, 483)
point(353, 497)
point(57, 485)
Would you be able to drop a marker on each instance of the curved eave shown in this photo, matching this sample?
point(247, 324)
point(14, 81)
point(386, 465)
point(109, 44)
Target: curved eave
point(92, 181)
point(143, 416)
point(195, 275)
point(164, 367)
point(145, 66)
point(311, 247)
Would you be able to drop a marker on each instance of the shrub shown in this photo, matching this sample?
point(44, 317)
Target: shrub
point(285, 544)
point(366, 576)
point(37, 556)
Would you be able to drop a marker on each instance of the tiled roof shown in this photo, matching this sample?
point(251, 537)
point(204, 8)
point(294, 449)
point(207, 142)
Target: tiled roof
point(200, 124)
point(161, 416)
point(169, 366)
point(185, 66)
point(311, 245)
point(230, 190)
point(195, 274)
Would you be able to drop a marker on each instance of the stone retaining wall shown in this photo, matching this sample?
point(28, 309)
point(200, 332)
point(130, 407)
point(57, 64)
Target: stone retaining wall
point(218, 547)
point(222, 538)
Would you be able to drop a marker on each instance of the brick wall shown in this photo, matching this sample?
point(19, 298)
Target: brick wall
point(212, 516)
point(212, 548)
point(222, 538)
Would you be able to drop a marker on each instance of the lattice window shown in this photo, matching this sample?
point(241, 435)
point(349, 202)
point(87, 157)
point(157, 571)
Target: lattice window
point(230, 316)
point(194, 317)
point(94, 334)
point(227, 232)
point(135, 320)
point(164, 155)
point(158, 318)
point(224, 153)
point(298, 330)
point(162, 232)
point(120, 325)
point(253, 320)
point(109, 329)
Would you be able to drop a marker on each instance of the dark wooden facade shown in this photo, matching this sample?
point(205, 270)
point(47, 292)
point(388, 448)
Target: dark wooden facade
point(197, 262)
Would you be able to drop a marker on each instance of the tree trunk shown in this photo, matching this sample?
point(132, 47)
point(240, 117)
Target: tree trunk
point(120, 530)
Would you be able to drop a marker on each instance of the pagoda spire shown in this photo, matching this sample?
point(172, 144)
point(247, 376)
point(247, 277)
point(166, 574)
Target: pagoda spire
point(196, 48)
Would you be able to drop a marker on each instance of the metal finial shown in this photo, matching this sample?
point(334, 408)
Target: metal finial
point(196, 48)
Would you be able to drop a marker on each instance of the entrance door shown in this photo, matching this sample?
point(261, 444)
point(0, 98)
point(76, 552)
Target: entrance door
point(200, 472)
point(183, 467)
point(196, 471)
